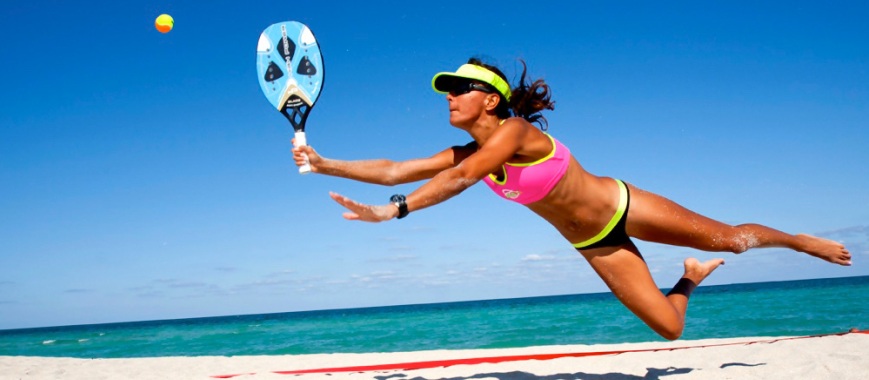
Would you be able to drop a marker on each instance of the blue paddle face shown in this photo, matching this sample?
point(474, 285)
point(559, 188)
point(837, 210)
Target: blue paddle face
point(290, 69)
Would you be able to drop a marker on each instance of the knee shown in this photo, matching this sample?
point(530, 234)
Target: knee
point(671, 334)
point(670, 331)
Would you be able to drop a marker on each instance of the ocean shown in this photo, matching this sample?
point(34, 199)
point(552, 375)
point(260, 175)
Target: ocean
point(788, 308)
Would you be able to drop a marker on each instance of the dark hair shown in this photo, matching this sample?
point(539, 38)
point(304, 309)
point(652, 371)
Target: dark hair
point(529, 98)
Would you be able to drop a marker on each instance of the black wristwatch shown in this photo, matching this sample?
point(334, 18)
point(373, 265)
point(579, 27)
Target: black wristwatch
point(400, 201)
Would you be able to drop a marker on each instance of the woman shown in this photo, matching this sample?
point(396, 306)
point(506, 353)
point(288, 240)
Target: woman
point(598, 215)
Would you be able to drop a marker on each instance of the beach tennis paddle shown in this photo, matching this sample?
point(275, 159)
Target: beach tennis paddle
point(291, 73)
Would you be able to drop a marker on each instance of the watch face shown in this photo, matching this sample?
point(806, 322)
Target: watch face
point(399, 201)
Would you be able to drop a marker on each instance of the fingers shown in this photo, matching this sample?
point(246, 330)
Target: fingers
point(304, 149)
point(348, 203)
point(338, 197)
point(303, 154)
point(358, 211)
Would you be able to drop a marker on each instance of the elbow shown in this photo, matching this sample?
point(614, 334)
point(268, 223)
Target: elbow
point(461, 181)
point(389, 181)
point(391, 177)
point(466, 182)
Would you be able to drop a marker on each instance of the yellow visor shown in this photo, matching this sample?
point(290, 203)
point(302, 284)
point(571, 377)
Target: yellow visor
point(441, 81)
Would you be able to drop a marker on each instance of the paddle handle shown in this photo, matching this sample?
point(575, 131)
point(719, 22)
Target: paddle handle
point(301, 141)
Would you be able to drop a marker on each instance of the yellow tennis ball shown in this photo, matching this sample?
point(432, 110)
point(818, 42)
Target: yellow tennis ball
point(164, 23)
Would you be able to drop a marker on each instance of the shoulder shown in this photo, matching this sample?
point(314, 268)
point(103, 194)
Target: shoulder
point(515, 126)
point(528, 139)
point(518, 128)
point(517, 122)
point(510, 137)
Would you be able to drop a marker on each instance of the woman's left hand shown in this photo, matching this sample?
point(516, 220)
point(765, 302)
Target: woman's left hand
point(363, 212)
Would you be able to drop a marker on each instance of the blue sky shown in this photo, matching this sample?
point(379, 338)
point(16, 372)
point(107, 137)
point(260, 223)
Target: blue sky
point(144, 176)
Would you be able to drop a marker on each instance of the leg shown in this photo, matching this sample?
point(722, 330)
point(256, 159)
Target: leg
point(654, 218)
point(626, 274)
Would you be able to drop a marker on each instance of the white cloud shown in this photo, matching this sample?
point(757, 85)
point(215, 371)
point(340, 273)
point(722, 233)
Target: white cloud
point(394, 259)
point(549, 257)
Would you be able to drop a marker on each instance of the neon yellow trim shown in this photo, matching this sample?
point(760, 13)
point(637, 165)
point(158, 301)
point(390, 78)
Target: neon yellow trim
point(548, 156)
point(495, 178)
point(480, 73)
point(623, 204)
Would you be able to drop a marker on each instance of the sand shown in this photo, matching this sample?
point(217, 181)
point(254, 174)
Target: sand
point(844, 356)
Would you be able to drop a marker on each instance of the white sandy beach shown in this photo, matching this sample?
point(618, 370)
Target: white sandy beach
point(828, 357)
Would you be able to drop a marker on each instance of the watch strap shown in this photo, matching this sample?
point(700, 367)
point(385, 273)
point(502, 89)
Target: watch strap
point(400, 201)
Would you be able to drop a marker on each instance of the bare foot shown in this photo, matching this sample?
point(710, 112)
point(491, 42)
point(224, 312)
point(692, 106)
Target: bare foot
point(824, 249)
point(697, 271)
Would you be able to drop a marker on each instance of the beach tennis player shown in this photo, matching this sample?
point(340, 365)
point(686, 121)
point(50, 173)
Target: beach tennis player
point(598, 215)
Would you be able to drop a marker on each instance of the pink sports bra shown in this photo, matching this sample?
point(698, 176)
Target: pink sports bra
point(529, 182)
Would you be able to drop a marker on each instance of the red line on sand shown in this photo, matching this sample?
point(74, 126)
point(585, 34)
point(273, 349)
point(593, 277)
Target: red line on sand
point(510, 358)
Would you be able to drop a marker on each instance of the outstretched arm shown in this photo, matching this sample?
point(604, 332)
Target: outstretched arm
point(446, 183)
point(383, 171)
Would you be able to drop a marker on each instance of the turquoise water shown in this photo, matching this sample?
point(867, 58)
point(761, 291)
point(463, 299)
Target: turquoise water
point(758, 309)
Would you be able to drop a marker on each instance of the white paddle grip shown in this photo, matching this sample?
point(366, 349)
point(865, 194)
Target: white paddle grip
point(301, 141)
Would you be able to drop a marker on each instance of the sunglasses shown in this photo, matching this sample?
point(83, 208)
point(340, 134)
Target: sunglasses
point(464, 87)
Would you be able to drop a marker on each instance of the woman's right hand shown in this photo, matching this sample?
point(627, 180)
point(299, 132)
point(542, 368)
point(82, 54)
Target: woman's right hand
point(305, 154)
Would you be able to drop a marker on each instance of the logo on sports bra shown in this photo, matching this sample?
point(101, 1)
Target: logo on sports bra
point(511, 194)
